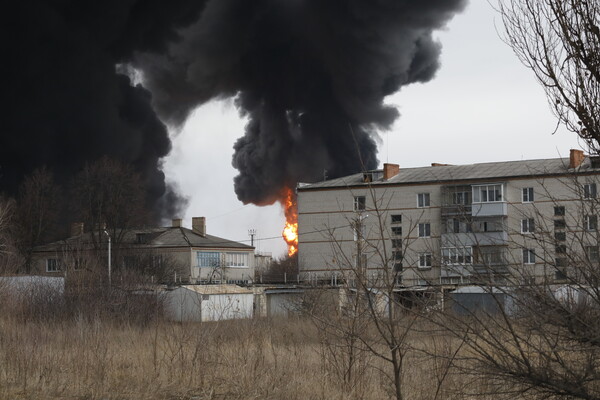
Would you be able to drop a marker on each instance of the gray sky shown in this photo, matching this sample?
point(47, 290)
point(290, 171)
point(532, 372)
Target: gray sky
point(482, 106)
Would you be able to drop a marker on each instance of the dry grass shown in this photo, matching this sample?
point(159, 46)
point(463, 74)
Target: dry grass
point(282, 359)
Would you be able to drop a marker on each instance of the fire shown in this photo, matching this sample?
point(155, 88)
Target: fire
point(290, 232)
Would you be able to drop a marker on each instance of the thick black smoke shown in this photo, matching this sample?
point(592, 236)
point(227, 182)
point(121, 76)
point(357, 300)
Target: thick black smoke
point(63, 102)
point(311, 75)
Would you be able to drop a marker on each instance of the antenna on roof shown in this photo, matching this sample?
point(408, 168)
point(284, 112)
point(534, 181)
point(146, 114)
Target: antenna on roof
point(252, 233)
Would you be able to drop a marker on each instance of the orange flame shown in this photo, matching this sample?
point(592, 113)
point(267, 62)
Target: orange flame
point(290, 232)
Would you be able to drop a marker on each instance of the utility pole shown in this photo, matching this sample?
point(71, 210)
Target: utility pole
point(252, 233)
point(109, 260)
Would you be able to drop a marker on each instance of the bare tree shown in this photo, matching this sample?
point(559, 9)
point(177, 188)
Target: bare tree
point(109, 194)
point(559, 40)
point(37, 212)
point(10, 262)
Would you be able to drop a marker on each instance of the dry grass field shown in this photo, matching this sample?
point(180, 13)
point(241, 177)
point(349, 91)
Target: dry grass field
point(253, 359)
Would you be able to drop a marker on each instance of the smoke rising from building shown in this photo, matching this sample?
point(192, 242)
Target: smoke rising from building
point(310, 75)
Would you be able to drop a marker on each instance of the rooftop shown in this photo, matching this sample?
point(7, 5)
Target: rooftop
point(167, 237)
point(452, 173)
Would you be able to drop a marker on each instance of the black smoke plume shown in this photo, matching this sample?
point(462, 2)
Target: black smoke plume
point(311, 76)
point(64, 102)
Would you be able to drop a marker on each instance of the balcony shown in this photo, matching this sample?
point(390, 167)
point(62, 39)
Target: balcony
point(456, 271)
point(491, 209)
point(474, 239)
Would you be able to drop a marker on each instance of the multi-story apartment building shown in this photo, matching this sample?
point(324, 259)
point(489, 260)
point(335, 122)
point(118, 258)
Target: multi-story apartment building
point(517, 221)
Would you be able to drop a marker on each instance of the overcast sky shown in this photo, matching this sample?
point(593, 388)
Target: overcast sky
point(482, 106)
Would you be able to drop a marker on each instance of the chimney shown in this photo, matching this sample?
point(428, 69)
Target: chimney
point(576, 158)
point(76, 229)
point(390, 170)
point(436, 164)
point(176, 223)
point(199, 225)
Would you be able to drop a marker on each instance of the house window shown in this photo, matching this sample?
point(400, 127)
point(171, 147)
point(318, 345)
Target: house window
point(560, 236)
point(424, 230)
point(559, 211)
point(592, 253)
point(457, 255)
point(591, 223)
point(360, 203)
point(589, 191)
point(461, 198)
point(454, 225)
point(528, 256)
point(561, 249)
point(487, 193)
point(208, 259)
point(397, 243)
point(559, 224)
point(527, 225)
point(397, 256)
point(423, 200)
point(425, 260)
point(397, 230)
point(52, 265)
point(236, 259)
point(396, 219)
point(527, 195)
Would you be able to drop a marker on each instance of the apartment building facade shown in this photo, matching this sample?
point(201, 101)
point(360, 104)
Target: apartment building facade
point(501, 222)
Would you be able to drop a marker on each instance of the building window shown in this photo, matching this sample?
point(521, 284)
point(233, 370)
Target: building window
point(457, 255)
point(360, 203)
point(527, 195)
point(559, 224)
point(52, 265)
point(589, 191)
point(561, 249)
point(397, 256)
point(559, 211)
point(236, 259)
point(396, 219)
point(208, 259)
point(423, 200)
point(560, 236)
point(592, 253)
point(455, 225)
point(356, 233)
point(425, 260)
point(591, 223)
point(528, 256)
point(461, 198)
point(397, 230)
point(424, 230)
point(527, 225)
point(397, 243)
point(487, 193)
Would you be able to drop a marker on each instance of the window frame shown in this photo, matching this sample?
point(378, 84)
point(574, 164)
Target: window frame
point(396, 218)
point(360, 203)
point(592, 253)
point(528, 256)
point(424, 229)
point(425, 260)
point(528, 225)
point(590, 223)
point(396, 230)
point(457, 255)
point(589, 190)
point(423, 200)
point(56, 265)
point(478, 197)
point(527, 195)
